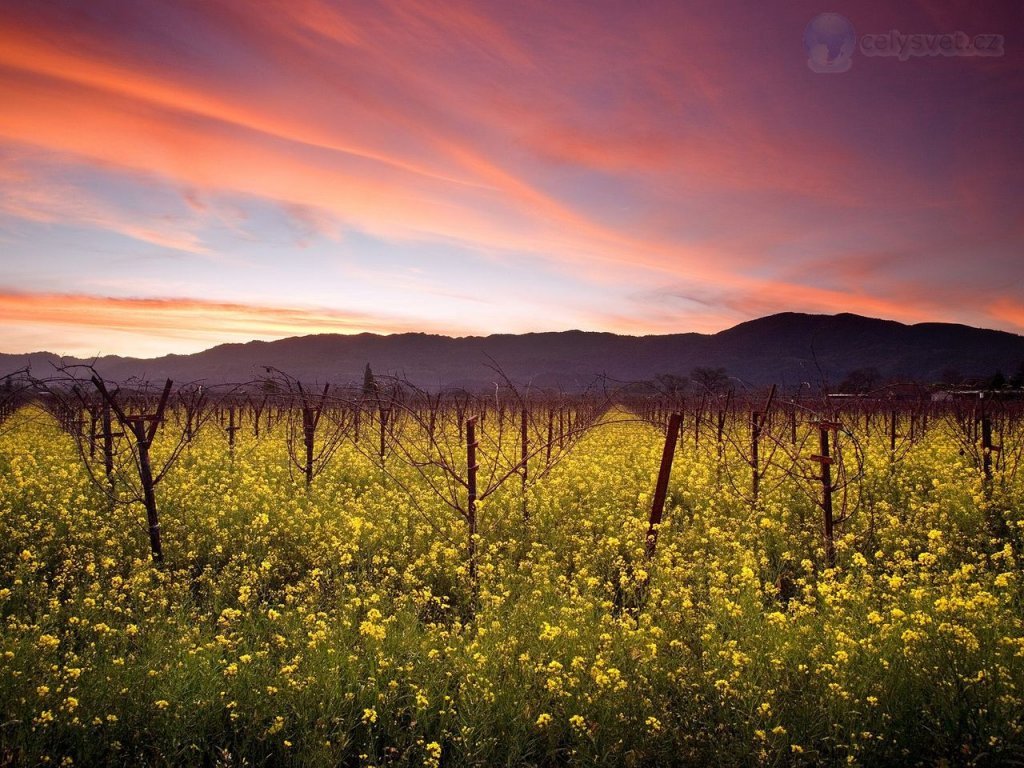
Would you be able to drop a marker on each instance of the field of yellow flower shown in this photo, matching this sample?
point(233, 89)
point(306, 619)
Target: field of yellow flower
point(338, 624)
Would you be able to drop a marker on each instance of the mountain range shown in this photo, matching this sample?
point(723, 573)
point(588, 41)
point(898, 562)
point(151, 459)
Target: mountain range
point(786, 349)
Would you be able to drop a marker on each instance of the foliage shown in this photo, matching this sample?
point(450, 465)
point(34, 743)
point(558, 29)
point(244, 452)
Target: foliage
point(337, 624)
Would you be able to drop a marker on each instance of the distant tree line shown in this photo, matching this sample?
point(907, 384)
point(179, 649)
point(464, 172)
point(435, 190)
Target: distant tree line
point(870, 379)
point(701, 380)
point(858, 381)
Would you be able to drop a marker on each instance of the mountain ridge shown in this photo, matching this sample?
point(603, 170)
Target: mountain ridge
point(785, 348)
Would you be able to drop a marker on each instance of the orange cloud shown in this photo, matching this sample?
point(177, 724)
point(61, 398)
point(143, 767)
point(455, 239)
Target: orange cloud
point(92, 324)
point(713, 310)
point(22, 51)
point(1008, 311)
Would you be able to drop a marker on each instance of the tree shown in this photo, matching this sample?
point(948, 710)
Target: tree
point(369, 383)
point(952, 377)
point(861, 381)
point(1017, 380)
point(715, 381)
point(672, 385)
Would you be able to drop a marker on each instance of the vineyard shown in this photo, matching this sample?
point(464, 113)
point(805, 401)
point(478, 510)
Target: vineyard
point(280, 574)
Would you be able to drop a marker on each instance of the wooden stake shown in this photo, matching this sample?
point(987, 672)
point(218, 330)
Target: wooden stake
point(661, 488)
point(471, 470)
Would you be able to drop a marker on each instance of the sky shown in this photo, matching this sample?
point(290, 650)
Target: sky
point(175, 175)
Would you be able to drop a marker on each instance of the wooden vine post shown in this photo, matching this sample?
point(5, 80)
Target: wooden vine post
point(824, 458)
point(697, 416)
point(551, 433)
point(987, 449)
point(757, 422)
point(231, 429)
point(661, 488)
point(892, 434)
point(94, 420)
point(108, 435)
point(524, 460)
point(143, 429)
point(471, 469)
point(720, 428)
point(310, 420)
point(257, 414)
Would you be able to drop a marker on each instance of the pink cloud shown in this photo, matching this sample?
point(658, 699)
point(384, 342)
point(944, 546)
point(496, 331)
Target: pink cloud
point(518, 129)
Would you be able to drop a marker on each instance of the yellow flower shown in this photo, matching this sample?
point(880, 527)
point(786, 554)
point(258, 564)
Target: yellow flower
point(375, 631)
point(549, 632)
point(543, 719)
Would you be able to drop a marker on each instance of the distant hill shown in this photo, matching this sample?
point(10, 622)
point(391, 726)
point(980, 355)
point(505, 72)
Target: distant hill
point(786, 349)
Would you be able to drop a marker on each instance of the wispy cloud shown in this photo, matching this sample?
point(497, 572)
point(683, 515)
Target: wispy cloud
point(36, 198)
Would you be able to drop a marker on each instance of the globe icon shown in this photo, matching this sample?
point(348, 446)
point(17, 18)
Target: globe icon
point(830, 41)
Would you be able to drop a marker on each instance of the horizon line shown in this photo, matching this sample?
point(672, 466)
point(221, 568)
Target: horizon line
point(456, 337)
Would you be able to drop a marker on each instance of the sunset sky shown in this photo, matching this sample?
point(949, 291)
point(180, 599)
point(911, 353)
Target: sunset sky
point(178, 174)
